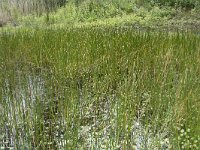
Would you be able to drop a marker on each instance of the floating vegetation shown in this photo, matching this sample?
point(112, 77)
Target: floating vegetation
point(102, 88)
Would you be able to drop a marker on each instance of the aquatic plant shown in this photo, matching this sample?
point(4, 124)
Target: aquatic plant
point(101, 88)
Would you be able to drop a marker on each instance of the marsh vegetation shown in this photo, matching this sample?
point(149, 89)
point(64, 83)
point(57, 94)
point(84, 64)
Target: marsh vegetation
point(99, 88)
point(105, 74)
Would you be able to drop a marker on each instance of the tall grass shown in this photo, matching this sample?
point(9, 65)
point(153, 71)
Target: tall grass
point(102, 88)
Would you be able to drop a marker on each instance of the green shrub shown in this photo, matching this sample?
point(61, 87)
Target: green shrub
point(187, 4)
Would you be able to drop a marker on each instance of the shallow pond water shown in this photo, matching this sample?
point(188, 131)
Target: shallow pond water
point(30, 106)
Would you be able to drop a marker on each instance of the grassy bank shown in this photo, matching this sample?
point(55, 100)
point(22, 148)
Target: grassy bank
point(101, 88)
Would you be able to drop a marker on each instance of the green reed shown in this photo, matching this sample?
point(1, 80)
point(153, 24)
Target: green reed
point(99, 88)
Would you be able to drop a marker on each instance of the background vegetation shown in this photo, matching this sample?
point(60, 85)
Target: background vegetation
point(73, 12)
